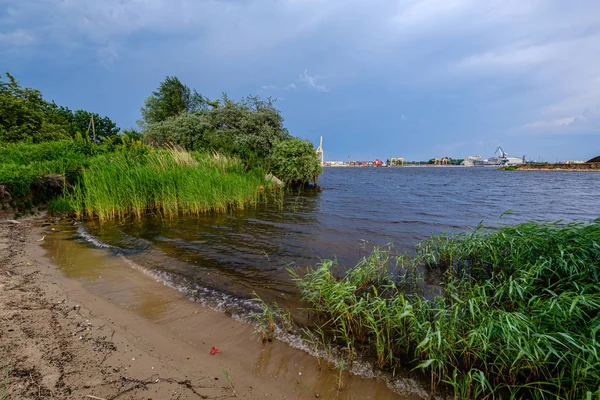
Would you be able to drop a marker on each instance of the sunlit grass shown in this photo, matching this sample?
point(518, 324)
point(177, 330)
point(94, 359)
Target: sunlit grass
point(165, 182)
point(517, 315)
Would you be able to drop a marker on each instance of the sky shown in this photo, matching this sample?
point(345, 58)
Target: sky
point(377, 79)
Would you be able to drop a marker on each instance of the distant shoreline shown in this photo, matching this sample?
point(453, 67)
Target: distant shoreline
point(583, 167)
point(405, 166)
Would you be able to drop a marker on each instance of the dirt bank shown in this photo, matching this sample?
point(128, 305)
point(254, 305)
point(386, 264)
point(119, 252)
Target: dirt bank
point(583, 167)
point(96, 329)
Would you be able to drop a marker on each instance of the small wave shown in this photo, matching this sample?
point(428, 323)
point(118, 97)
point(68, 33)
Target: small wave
point(137, 243)
point(85, 234)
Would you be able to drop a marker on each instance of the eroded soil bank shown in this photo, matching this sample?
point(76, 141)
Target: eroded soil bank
point(97, 328)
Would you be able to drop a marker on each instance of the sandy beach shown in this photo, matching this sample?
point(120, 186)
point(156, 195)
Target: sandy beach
point(71, 333)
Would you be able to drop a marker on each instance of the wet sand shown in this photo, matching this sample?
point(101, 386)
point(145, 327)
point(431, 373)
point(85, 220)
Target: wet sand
point(78, 322)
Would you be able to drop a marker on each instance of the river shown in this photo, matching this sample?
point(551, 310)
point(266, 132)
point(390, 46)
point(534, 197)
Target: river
point(247, 251)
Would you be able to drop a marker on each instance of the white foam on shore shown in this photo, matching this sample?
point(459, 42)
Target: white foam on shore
point(85, 234)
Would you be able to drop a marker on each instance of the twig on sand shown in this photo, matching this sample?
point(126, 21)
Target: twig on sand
point(94, 397)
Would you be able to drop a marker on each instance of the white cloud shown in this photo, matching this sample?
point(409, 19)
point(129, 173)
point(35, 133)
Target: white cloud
point(108, 55)
point(311, 81)
point(556, 123)
point(16, 38)
point(290, 86)
point(586, 122)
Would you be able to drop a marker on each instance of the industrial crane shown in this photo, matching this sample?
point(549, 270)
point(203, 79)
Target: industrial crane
point(503, 155)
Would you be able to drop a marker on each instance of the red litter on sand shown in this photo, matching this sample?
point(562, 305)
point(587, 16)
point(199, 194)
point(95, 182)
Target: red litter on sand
point(214, 351)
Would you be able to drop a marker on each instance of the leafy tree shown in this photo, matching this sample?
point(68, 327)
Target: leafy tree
point(188, 130)
point(170, 99)
point(26, 116)
point(79, 121)
point(295, 162)
point(249, 128)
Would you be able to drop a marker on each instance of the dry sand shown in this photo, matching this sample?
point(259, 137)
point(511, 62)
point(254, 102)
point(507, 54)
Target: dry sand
point(71, 333)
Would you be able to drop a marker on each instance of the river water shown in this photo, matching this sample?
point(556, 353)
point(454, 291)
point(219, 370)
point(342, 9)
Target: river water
point(230, 256)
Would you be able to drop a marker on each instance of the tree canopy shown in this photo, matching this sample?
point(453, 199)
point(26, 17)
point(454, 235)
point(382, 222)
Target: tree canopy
point(26, 117)
point(248, 128)
point(170, 99)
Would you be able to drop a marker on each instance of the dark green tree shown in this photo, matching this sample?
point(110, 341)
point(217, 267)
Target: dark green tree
point(103, 127)
point(170, 99)
point(26, 116)
point(79, 122)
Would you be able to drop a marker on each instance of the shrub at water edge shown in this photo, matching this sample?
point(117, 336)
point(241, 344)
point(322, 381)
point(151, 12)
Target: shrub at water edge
point(295, 161)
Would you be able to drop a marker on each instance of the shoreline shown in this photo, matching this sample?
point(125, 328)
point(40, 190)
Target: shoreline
point(558, 169)
point(69, 332)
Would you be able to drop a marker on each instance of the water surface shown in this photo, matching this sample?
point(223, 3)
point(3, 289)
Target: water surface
point(227, 257)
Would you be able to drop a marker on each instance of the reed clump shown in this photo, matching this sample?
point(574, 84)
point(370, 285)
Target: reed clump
point(516, 316)
point(164, 182)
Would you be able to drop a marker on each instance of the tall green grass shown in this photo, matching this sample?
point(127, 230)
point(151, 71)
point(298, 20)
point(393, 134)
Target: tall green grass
point(164, 182)
point(517, 315)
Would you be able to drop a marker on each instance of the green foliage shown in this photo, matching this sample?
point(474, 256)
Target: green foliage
point(46, 148)
point(165, 182)
point(60, 205)
point(26, 116)
point(26, 167)
point(132, 134)
point(248, 129)
point(80, 122)
point(295, 161)
point(170, 99)
point(191, 131)
point(17, 179)
point(517, 313)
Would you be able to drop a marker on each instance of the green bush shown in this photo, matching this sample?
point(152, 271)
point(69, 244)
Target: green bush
point(516, 314)
point(295, 162)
